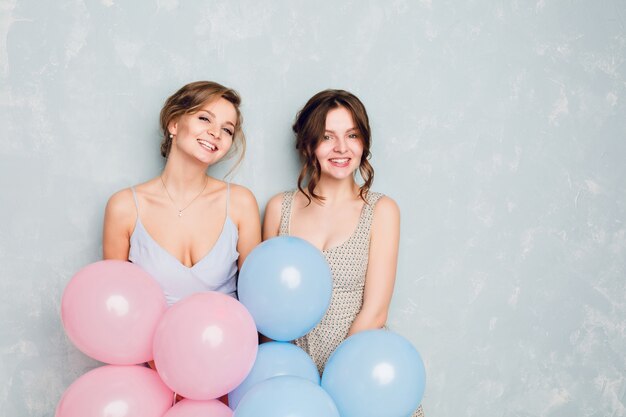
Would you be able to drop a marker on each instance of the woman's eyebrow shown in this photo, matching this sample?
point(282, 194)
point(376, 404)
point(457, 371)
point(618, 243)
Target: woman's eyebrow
point(349, 130)
point(213, 116)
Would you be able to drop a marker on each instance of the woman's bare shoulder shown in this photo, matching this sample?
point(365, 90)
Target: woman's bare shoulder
point(121, 202)
point(241, 195)
point(275, 202)
point(387, 204)
point(120, 213)
point(386, 211)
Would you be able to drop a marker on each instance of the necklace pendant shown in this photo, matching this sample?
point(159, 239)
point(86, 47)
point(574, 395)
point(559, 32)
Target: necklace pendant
point(180, 211)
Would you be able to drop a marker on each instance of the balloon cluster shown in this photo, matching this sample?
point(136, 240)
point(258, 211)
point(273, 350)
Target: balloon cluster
point(286, 285)
point(202, 347)
point(205, 346)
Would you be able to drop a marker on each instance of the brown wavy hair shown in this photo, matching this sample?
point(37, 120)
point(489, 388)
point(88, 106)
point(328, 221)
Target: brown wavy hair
point(309, 128)
point(189, 99)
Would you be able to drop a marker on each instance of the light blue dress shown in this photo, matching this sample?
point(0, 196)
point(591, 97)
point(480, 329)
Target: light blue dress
point(216, 271)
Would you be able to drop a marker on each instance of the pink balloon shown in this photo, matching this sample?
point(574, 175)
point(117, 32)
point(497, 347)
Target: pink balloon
point(193, 408)
point(110, 310)
point(112, 390)
point(205, 345)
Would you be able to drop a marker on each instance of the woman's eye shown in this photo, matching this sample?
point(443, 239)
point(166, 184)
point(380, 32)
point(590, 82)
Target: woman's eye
point(353, 136)
point(205, 119)
point(326, 137)
point(230, 132)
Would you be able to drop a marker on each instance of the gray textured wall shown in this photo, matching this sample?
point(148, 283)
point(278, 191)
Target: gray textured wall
point(499, 127)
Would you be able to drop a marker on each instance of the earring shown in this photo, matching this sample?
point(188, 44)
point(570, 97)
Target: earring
point(171, 136)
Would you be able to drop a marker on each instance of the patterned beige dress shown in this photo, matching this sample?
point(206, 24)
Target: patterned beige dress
point(348, 264)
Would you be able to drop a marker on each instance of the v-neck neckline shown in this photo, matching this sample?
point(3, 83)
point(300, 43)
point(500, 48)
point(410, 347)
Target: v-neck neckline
point(158, 245)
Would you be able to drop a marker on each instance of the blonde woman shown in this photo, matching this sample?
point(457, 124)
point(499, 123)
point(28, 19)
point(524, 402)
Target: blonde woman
point(191, 232)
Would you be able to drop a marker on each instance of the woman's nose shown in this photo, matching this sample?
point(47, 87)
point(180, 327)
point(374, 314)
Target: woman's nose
point(214, 131)
point(341, 145)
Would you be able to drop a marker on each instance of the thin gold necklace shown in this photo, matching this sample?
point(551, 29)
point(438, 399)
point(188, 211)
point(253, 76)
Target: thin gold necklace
point(180, 211)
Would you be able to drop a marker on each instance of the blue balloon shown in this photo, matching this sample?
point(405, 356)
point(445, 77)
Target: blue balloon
point(375, 373)
point(275, 359)
point(286, 284)
point(286, 396)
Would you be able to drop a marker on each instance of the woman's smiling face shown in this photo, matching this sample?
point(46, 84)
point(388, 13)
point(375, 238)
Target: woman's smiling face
point(208, 133)
point(340, 150)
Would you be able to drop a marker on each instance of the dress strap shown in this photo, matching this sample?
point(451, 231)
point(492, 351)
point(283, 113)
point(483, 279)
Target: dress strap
point(367, 215)
point(135, 198)
point(285, 213)
point(372, 197)
point(227, 197)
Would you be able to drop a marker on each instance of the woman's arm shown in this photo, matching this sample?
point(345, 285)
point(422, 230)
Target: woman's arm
point(271, 222)
point(381, 267)
point(246, 216)
point(119, 219)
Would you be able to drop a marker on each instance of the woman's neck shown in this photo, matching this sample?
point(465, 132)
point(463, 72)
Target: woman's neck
point(183, 178)
point(337, 190)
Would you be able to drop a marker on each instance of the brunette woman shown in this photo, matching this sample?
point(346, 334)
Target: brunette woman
point(356, 229)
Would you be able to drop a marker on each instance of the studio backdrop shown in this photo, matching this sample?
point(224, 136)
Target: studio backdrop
point(499, 127)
